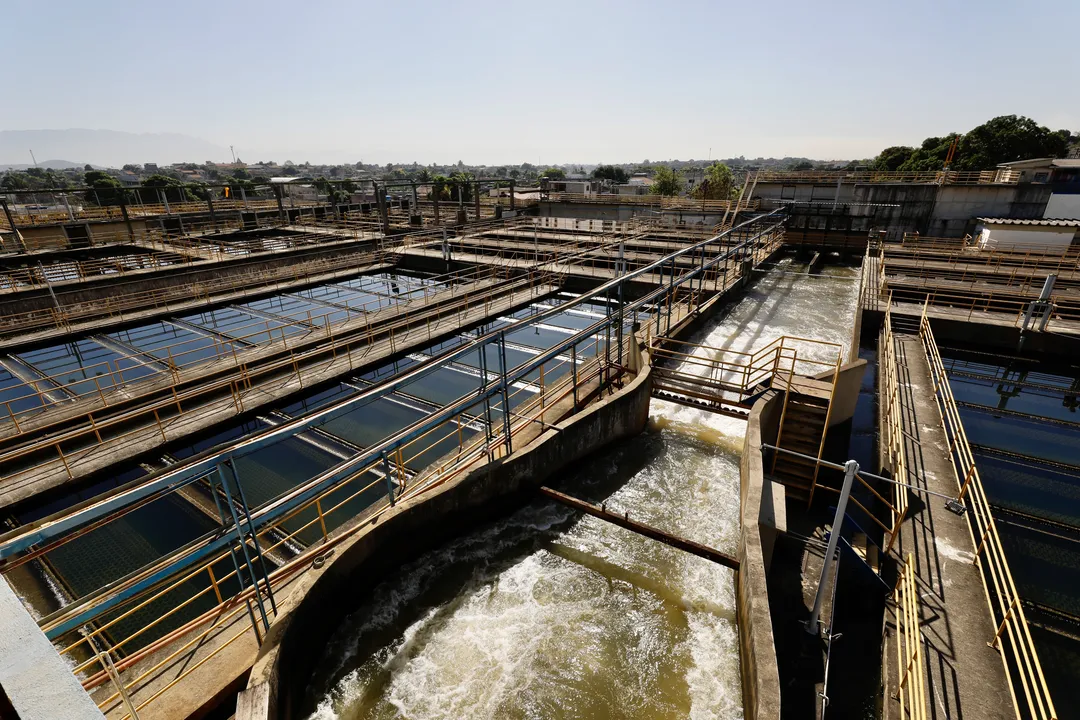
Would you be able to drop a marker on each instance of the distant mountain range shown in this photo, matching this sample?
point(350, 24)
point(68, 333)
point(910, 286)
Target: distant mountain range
point(48, 165)
point(106, 148)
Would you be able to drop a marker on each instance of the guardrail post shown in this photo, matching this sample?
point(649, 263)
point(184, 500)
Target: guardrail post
point(505, 394)
point(389, 479)
point(850, 468)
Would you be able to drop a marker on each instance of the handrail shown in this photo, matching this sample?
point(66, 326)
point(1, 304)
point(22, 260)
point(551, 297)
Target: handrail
point(892, 425)
point(1013, 636)
point(824, 430)
point(911, 666)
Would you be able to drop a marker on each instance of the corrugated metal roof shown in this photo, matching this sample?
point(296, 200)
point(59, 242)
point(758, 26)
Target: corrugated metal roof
point(1041, 222)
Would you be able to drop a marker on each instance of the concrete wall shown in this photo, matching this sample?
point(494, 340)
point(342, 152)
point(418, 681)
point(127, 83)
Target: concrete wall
point(758, 511)
point(933, 210)
point(847, 390)
point(1063, 206)
point(315, 607)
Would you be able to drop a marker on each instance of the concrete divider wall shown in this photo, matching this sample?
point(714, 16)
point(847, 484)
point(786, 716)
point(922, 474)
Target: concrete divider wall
point(757, 649)
point(315, 607)
point(847, 390)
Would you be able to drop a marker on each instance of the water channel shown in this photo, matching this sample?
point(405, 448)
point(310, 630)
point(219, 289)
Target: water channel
point(546, 614)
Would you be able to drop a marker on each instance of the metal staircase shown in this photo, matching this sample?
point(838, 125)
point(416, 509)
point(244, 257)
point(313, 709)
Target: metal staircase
point(729, 382)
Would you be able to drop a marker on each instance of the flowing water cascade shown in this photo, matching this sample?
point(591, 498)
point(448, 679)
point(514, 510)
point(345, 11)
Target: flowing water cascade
point(546, 614)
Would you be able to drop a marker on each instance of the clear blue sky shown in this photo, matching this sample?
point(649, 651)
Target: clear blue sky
point(509, 82)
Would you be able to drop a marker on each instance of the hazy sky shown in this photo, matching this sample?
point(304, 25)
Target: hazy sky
point(505, 81)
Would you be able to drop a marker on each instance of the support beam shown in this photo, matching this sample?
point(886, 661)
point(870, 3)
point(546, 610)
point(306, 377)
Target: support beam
point(623, 521)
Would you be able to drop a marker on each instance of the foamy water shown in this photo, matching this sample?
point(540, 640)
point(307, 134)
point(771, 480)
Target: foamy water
point(546, 614)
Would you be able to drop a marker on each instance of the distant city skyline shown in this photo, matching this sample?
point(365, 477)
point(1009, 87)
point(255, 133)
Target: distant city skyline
point(546, 84)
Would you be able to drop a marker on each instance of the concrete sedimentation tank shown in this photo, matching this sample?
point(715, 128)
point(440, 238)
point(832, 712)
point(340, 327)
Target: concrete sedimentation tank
point(542, 612)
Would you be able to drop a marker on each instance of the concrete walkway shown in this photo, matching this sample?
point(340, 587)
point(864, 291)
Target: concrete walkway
point(964, 676)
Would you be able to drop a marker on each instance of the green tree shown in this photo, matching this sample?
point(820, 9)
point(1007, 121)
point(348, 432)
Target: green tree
point(610, 172)
point(15, 181)
point(554, 173)
point(931, 155)
point(801, 165)
point(1007, 138)
point(335, 193)
point(892, 158)
point(1003, 139)
point(440, 187)
point(462, 185)
point(667, 181)
point(104, 189)
point(719, 183)
point(173, 189)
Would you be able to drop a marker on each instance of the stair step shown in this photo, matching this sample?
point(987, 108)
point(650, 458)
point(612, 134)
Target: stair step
point(789, 459)
point(801, 432)
point(873, 559)
point(806, 446)
point(866, 550)
point(795, 471)
point(810, 410)
point(792, 480)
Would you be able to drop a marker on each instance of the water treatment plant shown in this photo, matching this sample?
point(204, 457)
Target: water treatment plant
point(531, 453)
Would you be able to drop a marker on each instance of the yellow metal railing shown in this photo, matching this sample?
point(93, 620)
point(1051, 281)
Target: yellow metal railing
point(893, 424)
point(1013, 636)
point(911, 666)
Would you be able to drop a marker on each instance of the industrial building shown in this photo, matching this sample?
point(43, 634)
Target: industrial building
point(227, 423)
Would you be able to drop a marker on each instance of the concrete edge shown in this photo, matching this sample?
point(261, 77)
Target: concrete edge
point(757, 649)
point(35, 680)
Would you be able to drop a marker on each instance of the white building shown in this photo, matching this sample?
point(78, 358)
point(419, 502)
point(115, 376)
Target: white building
point(1062, 173)
point(993, 233)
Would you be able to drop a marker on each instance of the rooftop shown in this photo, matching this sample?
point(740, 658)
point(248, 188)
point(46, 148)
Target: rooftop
point(1040, 222)
point(1042, 162)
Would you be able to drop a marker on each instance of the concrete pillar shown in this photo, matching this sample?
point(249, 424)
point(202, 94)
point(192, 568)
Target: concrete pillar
point(124, 212)
point(415, 218)
point(280, 204)
point(210, 204)
point(384, 217)
point(461, 217)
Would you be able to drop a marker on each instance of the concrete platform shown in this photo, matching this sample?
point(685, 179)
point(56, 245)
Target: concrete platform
point(964, 676)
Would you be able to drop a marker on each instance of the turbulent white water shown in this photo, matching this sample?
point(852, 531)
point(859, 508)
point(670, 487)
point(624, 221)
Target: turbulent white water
point(548, 615)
